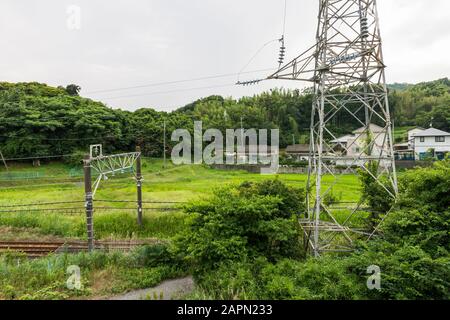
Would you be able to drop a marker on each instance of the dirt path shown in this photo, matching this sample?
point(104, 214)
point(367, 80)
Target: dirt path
point(167, 290)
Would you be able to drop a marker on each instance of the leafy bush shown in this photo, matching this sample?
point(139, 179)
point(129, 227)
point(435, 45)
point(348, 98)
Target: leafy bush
point(375, 193)
point(330, 198)
point(249, 220)
point(407, 272)
point(75, 159)
point(422, 215)
point(157, 255)
point(412, 253)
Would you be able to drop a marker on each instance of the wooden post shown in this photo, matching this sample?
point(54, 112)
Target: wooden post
point(89, 202)
point(139, 186)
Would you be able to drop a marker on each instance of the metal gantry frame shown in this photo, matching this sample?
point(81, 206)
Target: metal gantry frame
point(347, 70)
point(108, 165)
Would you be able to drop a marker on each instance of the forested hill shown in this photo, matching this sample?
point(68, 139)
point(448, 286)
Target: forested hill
point(38, 120)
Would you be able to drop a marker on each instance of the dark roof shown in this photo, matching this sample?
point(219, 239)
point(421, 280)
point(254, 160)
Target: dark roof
point(303, 149)
point(298, 148)
point(249, 148)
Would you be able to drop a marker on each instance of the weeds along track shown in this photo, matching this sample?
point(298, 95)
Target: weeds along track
point(38, 249)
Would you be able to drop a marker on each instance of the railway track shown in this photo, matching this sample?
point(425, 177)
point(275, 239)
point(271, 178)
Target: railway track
point(37, 249)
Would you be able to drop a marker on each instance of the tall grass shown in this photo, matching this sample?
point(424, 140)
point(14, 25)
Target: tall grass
point(173, 183)
point(106, 225)
point(102, 274)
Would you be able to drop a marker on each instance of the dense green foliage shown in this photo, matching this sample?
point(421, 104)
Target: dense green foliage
point(422, 215)
point(37, 120)
point(412, 253)
point(376, 193)
point(423, 104)
point(243, 222)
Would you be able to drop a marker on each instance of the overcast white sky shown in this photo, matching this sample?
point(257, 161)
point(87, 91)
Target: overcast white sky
point(126, 43)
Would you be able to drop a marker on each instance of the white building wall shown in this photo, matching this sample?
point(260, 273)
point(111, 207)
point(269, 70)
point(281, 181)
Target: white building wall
point(359, 144)
point(430, 143)
point(411, 136)
point(356, 145)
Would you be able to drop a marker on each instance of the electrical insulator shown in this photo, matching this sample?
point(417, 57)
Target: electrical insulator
point(364, 28)
point(248, 83)
point(282, 51)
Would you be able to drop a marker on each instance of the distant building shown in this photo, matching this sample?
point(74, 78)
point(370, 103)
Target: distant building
point(355, 144)
point(431, 140)
point(340, 145)
point(253, 153)
point(411, 134)
point(405, 150)
point(299, 152)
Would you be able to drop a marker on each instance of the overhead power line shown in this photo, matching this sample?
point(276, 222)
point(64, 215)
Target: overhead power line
point(57, 139)
point(133, 201)
point(253, 58)
point(170, 91)
point(37, 204)
point(41, 157)
point(65, 210)
point(156, 84)
point(40, 204)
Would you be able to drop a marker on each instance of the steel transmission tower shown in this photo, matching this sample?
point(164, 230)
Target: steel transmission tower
point(348, 74)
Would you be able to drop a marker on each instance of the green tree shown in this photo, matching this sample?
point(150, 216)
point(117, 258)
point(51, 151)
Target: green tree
point(73, 89)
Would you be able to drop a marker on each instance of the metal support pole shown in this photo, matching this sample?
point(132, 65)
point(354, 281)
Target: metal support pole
point(319, 173)
point(139, 185)
point(89, 202)
point(164, 153)
point(4, 161)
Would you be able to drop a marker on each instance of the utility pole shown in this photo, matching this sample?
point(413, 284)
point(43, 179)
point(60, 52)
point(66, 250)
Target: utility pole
point(89, 201)
point(242, 132)
point(164, 144)
point(4, 161)
point(139, 185)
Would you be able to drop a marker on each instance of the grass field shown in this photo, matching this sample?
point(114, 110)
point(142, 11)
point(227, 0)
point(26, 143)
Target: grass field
point(57, 182)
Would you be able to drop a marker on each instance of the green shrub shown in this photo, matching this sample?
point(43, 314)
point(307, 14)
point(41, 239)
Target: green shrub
point(158, 255)
point(249, 220)
point(412, 251)
point(75, 159)
point(407, 272)
point(422, 215)
point(375, 193)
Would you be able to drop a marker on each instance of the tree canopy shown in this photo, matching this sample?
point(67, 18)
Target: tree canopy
point(38, 120)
